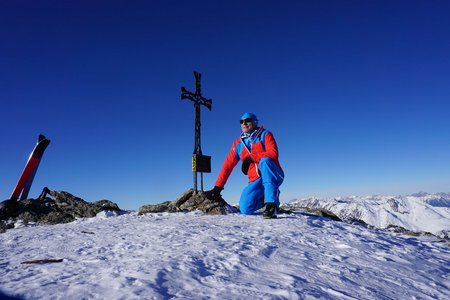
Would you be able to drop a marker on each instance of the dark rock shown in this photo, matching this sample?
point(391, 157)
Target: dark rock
point(56, 217)
point(162, 207)
point(106, 205)
point(189, 201)
point(359, 222)
point(402, 230)
point(8, 208)
point(2, 227)
point(321, 212)
point(59, 207)
point(74, 206)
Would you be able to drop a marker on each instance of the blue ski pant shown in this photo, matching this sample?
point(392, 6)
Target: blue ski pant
point(266, 185)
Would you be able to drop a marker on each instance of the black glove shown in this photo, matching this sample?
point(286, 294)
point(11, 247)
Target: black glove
point(246, 164)
point(214, 193)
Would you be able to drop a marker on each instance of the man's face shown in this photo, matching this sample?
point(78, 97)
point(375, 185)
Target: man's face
point(248, 125)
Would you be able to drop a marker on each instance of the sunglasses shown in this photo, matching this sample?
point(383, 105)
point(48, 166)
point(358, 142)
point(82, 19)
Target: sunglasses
point(248, 120)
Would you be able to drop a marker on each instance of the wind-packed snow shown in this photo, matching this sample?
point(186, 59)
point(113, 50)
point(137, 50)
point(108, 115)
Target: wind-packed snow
point(194, 256)
point(419, 212)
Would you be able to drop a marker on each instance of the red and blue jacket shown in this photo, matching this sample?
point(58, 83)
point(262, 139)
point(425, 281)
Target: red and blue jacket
point(258, 145)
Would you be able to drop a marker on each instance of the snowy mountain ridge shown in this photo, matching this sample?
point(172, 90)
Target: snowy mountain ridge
point(419, 212)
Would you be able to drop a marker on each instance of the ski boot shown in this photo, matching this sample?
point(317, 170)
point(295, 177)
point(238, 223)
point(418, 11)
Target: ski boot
point(270, 211)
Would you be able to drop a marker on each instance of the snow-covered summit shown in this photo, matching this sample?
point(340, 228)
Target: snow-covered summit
point(420, 212)
point(196, 256)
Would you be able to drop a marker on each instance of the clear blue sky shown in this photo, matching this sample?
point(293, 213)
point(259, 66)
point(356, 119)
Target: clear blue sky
point(357, 94)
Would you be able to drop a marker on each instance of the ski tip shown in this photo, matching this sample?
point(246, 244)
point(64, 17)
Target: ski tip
point(43, 138)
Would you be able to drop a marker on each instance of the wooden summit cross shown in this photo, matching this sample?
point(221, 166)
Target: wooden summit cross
point(200, 163)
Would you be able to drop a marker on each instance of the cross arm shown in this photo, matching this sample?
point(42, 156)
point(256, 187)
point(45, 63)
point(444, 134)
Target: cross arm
point(185, 94)
point(206, 102)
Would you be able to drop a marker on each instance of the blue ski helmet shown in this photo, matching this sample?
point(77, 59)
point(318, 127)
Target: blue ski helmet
point(248, 115)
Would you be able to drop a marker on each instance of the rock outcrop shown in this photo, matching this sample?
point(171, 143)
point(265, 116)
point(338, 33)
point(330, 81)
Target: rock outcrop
point(189, 201)
point(57, 207)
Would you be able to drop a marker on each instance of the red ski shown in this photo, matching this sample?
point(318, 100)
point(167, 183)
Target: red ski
point(26, 179)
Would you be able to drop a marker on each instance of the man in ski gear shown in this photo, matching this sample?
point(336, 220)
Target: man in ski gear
point(258, 151)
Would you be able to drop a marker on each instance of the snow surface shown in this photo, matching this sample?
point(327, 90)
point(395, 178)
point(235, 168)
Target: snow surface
point(419, 212)
point(194, 256)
